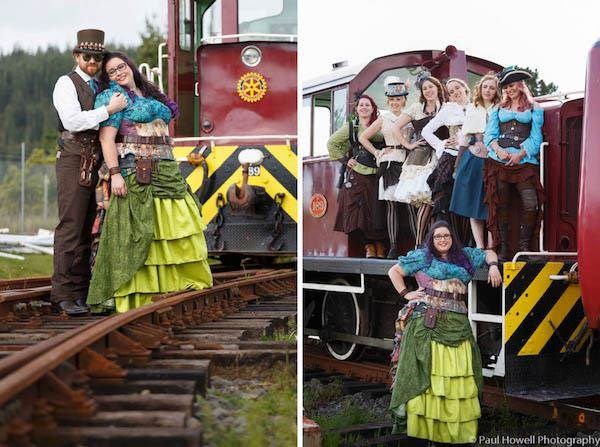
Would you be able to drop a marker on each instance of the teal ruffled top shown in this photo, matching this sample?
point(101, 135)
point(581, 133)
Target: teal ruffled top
point(531, 144)
point(139, 110)
point(416, 260)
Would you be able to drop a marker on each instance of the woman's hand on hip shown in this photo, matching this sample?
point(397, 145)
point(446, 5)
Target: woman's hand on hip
point(414, 295)
point(117, 185)
point(416, 144)
point(352, 162)
point(494, 277)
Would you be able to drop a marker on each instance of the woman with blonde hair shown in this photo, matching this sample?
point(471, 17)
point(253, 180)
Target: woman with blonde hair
point(469, 193)
point(514, 135)
point(390, 158)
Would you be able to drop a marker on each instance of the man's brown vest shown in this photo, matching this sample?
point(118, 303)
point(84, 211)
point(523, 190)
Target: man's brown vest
point(85, 96)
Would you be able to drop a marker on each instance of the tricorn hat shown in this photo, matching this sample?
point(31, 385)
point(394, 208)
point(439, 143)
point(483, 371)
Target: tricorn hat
point(512, 74)
point(90, 41)
point(394, 87)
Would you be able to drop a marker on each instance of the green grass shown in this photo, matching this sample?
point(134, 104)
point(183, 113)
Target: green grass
point(282, 334)
point(270, 419)
point(349, 415)
point(316, 395)
point(33, 265)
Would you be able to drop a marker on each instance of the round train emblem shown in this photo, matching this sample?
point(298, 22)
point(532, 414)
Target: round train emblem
point(252, 87)
point(318, 205)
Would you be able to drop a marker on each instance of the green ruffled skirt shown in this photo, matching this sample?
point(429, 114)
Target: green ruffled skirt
point(438, 381)
point(152, 242)
point(448, 410)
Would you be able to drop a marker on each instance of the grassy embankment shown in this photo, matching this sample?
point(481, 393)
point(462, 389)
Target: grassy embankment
point(33, 265)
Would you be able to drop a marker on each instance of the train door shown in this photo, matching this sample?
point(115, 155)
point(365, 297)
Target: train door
point(181, 71)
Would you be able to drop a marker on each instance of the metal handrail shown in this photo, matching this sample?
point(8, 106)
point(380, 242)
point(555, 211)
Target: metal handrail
point(559, 95)
point(251, 36)
point(542, 254)
point(542, 160)
point(287, 138)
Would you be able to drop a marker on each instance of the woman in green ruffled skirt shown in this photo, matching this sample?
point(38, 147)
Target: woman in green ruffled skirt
point(438, 379)
point(152, 238)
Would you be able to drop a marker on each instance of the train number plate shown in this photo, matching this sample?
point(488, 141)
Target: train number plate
point(254, 171)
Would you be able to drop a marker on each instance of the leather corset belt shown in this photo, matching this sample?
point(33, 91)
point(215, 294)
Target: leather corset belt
point(446, 295)
point(513, 133)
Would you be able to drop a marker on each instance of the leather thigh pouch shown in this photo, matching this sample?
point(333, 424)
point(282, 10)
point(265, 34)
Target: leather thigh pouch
point(143, 171)
point(87, 162)
point(430, 317)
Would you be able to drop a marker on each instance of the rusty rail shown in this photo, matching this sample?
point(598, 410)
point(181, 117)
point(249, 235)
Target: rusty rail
point(571, 413)
point(23, 375)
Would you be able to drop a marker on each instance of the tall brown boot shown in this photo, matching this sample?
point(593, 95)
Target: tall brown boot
point(380, 249)
point(370, 251)
point(526, 230)
point(503, 250)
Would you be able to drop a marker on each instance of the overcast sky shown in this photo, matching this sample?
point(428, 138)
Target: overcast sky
point(38, 23)
point(550, 35)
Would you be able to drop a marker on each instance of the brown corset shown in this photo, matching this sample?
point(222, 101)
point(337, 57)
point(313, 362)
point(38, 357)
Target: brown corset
point(513, 133)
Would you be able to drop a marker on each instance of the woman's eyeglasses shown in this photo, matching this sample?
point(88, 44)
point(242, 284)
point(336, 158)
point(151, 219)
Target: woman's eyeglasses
point(113, 71)
point(89, 56)
point(439, 237)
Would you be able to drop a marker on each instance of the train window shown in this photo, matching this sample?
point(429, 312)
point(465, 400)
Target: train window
point(340, 99)
point(267, 17)
point(574, 130)
point(305, 126)
point(185, 25)
point(375, 89)
point(211, 21)
point(473, 78)
point(321, 122)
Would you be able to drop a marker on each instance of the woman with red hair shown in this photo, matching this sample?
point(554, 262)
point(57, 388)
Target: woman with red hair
point(514, 135)
point(359, 210)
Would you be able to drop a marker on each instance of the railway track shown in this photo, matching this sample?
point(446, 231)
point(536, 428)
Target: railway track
point(581, 413)
point(132, 379)
point(375, 433)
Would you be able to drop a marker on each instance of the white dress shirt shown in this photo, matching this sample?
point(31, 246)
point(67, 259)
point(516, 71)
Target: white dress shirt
point(451, 114)
point(69, 110)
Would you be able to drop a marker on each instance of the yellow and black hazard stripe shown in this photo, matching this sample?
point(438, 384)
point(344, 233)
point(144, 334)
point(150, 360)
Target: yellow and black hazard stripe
point(542, 316)
point(278, 174)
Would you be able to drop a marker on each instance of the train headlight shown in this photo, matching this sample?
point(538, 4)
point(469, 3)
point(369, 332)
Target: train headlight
point(251, 56)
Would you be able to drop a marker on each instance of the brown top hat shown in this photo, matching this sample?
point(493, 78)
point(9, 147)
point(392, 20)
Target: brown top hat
point(90, 41)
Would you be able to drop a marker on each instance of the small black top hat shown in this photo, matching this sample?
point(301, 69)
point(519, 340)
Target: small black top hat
point(90, 41)
point(512, 74)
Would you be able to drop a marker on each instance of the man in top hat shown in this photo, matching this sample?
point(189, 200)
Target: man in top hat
point(76, 170)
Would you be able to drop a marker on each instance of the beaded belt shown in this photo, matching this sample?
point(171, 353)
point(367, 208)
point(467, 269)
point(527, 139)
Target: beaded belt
point(154, 151)
point(138, 139)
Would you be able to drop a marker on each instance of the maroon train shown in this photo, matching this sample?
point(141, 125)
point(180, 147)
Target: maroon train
point(547, 312)
point(231, 67)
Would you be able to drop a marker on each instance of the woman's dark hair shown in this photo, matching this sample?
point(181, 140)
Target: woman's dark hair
point(375, 112)
point(442, 92)
point(456, 255)
point(148, 89)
